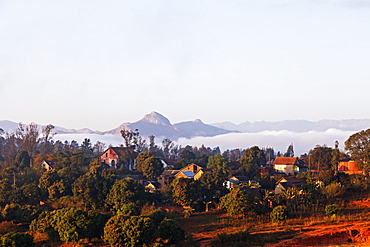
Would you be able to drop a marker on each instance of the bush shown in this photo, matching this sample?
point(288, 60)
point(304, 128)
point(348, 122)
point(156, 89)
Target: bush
point(279, 214)
point(171, 232)
point(129, 231)
point(331, 210)
point(16, 240)
point(129, 209)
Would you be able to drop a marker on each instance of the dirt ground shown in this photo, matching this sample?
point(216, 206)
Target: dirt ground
point(204, 228)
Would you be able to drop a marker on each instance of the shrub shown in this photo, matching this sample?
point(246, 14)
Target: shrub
point(129, 209)
point(16, 240)
point(171, 232)
point(331, 210)
point(129, 231)
point(279, 214)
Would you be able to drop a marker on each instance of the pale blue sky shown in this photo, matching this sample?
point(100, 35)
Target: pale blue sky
point(97, 64)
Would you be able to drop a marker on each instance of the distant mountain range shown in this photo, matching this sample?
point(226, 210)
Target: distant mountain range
point(159, 126)
point(151, 124)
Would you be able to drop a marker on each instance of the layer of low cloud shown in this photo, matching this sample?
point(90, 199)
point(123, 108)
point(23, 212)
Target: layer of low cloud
point(278, 140)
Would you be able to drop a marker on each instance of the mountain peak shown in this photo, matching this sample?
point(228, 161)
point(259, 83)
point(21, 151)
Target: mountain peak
point(156, 118)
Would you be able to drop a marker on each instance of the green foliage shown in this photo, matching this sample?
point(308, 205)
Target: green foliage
point(279, 214)
point(44, 224)
point(156, 214)
point(70, 224)
point(92, 189)
point(320, 158)
point(358, 146)
point(59, 189)
point(134, 231)
point(219, 165)
point(186, 192)
point(213, 185)
point(125, 191)
point(331, 210)
point(152, 167)
point(16, 240)
point(18, 213)
point(238, 202)
point(252, 158)
point(141, 157)
point(170, 232)
point(129, 209)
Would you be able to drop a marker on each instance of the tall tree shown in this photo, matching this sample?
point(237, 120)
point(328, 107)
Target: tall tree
point(125, 191)
point(167, 146)
point(252, 159)
point(186, 192)
point(320, 158)
point(28, 137)
point(219, 165)
point(358, 146)
point(152, 167)
point(289, 151)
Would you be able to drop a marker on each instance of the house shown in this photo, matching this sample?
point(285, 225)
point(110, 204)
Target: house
point(287, 182)
point(348, 166)
point(289, 165)
point(47, 165)
point(185, 174)
point(167, 176)
point(200, 173)
point(113, 157)
point(152, 186)
point(140, 178)
point(236, 180)
point(192, 167)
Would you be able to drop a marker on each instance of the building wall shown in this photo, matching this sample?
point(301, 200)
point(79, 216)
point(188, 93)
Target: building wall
point(287, 169)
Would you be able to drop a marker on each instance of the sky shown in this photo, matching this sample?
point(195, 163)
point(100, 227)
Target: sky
point(96, 64)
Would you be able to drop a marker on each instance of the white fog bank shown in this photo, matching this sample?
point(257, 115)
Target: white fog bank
point(279, 140)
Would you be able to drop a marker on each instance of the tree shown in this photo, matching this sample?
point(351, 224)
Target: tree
point(28, 137)
point(358, 146)
point(335, 157)
point(47, 135)
point(98, 148)
point(289, 151)
point(238, 202)
point(170, 232)
point(140, 159)
point(18, 239)
point(70, 224)
point(252, 158)
point(152, 167)
point(219, 165)
point(129, 231)
point(167, 146)
point(125, 191)
point(320, 158)
point(22, 160)
point(92, 189)
point(186, 192)
point(87, 148)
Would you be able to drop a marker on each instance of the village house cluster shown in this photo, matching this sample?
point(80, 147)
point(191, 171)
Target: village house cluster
point(287, 167)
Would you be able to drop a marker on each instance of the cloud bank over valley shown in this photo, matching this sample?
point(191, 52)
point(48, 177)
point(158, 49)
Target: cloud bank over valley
point(279, 140)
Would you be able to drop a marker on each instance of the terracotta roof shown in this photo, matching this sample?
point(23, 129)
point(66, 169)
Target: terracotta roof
point(285, 160)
